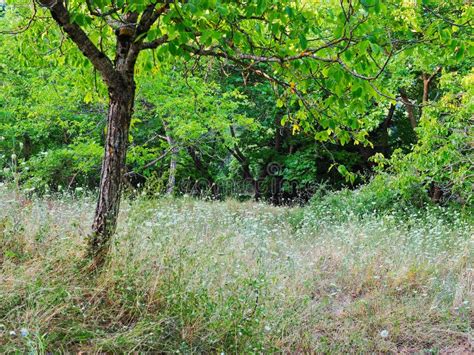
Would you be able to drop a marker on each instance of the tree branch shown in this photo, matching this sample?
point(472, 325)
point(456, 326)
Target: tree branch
point(148, 18)
point(452, 23)
point(155, 43)
point(99, 60)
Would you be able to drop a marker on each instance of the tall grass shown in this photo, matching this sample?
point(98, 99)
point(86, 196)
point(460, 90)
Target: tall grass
point(193, 276)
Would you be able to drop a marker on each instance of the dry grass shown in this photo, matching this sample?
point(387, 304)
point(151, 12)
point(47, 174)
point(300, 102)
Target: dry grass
point(195, 276)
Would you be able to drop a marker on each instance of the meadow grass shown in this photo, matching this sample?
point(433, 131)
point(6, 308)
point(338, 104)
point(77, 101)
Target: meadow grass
point(234, 277)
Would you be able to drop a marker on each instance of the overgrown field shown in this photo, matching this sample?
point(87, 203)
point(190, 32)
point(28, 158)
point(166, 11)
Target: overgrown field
point(195, 276)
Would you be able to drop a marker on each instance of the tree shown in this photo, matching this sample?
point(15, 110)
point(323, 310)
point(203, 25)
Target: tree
point(191, 116)
point(321, 54)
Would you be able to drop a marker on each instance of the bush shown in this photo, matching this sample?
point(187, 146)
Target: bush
point(384, 196)
point(440, 164)
point(74, 166)
point(380, 196)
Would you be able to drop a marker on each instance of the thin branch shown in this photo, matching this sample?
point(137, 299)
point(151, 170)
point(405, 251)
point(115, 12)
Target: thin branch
point(155, 43)
point(452, 23)
point(153, 162)
point(26, 27)
point(97, 13)
point(98, 59)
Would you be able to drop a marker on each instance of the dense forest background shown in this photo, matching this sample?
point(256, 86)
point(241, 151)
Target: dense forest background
point(206, 127)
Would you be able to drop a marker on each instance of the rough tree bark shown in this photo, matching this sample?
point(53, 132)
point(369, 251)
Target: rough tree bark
point(121, 100)
point(113, 163)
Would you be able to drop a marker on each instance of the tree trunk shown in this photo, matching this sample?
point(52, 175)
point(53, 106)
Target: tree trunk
point(204, 171)
point(426, 83)
point(409, 107)
point(385, 126)
point(426, 87)
point(279, 133)
point(172, 172)
point(174, 157)
point(27, 146)
point(118, 76)
point(113, 164)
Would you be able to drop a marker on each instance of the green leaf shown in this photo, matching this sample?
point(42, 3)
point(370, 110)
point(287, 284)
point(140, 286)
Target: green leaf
point(303, 41)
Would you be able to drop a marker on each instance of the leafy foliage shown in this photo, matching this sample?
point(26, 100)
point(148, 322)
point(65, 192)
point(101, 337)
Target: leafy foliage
point(241, 87)
point(442, 158)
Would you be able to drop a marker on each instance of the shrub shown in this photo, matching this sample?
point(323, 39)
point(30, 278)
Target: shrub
point(76, 165)
point(440, 163)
